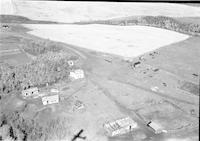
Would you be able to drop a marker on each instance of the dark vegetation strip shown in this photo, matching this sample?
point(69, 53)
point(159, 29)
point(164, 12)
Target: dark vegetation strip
point(155, 21)
point(49, 66)
point(26, 129)
point(22, 20)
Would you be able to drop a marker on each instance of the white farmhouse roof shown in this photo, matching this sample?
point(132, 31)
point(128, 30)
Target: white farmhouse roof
point(30, 92)
point(77, 74)
point(54, 90)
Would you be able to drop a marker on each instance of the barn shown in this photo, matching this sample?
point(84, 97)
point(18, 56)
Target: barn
point(76, 74)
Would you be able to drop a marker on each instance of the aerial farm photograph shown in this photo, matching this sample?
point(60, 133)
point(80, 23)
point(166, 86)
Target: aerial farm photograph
point(99, 71)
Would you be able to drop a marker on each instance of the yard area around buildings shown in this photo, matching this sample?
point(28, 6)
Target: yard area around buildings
point(112, 88)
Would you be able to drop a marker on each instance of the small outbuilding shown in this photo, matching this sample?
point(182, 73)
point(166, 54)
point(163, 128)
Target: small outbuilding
point(155, 89)
point(70, 63)
point(120, 126)
point(77, 74)
point(30, 92)
point(54, 90)
point(50, 99)
point(156, 127)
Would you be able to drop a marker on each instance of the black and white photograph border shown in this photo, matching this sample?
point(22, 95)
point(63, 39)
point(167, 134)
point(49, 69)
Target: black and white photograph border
point(99, 70)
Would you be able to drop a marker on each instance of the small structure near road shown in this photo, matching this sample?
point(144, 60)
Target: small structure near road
point(156, 127)
point(30, 92)
point(70, 63)
point(120, 126)
point(50, 99)
point(78, 105)
point(77, 74)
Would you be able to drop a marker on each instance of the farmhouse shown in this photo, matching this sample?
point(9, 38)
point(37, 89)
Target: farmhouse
point(136, 64)
point(5, 26)
point(30, 92)
point(77, 74)
point(120, 126)
point(155, 89)
point(50, 99)
point(156, 127)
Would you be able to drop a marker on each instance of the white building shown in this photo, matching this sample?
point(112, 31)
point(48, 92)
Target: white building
point(156, 127)
point(120, 126)
point(77, 74)
point(54, 90)
point(50, 99)
point(30, 92)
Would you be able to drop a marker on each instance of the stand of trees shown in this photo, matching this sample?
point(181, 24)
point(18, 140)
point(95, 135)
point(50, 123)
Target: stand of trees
point(155, 21)
point(47, 68)
point(13, 126)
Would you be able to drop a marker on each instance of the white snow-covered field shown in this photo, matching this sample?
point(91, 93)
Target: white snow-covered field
point(69, 11)
point(126, 41)
point(7, 7)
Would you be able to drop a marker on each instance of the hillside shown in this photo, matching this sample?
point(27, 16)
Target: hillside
point(86, 11)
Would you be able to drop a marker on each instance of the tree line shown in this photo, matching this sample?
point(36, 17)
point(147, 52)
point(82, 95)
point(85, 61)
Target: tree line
point(155, 21)
point(13, 126)
point(50, 65)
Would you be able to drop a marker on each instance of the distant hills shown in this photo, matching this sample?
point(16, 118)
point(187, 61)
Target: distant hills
point(69, 12)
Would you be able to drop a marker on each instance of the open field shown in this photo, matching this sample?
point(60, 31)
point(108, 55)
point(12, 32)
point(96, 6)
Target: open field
point(125, 41)
point(87, 11)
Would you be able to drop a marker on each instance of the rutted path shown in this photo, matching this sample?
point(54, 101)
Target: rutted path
point(96, 81)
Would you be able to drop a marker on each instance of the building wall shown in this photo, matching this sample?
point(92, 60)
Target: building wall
point(50, 100)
